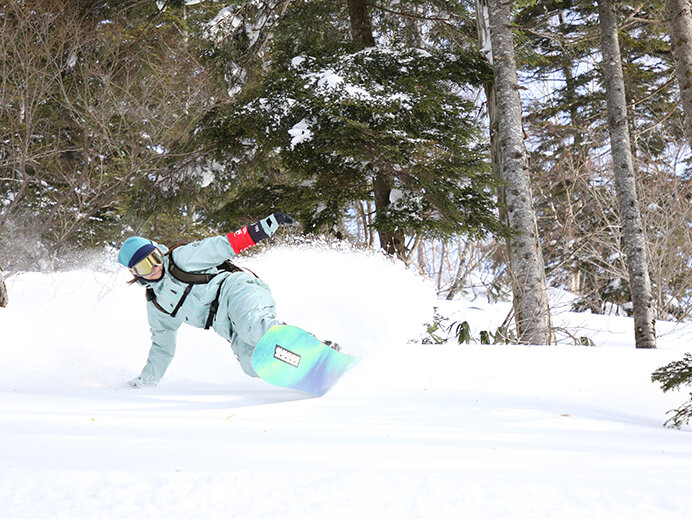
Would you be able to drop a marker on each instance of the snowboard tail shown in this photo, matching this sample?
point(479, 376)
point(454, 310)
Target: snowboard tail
point(289, 356)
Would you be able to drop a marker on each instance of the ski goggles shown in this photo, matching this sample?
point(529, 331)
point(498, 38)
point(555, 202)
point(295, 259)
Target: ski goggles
point(147, 264)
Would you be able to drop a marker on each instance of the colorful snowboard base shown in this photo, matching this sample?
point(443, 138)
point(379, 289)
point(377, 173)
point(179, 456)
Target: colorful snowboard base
point(289, 356)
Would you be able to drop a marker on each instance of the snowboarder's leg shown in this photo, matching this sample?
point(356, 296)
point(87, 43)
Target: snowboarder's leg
point(252, 311)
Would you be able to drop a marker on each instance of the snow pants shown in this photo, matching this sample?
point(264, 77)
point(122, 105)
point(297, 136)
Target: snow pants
point(252, 311)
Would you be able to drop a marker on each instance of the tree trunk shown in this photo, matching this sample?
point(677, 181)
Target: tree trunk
point(623, 166)
point(679, 20)
point(361, 26)
point(3, 291)
point(483, 29)
point(532, 314)
point(392, 241)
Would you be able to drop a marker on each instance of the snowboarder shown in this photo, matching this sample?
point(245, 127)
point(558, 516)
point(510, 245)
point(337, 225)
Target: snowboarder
point(197, 285)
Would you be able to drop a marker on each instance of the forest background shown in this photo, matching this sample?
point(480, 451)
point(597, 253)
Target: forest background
point(368, 122)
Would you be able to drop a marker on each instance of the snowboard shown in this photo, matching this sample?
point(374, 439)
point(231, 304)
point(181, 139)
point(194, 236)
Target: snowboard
point(289, 356)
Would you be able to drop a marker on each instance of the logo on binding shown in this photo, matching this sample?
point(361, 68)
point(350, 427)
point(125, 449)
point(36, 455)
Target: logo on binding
point(286, 356)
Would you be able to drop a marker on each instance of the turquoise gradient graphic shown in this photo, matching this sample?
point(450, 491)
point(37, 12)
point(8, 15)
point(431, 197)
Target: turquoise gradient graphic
point(289, 356)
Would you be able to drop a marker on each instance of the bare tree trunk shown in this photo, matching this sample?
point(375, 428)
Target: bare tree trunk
point(392, 241)
point(3, 291)
point(679, 20)
point(532, 314)
point(483, 29)
point(632, 226)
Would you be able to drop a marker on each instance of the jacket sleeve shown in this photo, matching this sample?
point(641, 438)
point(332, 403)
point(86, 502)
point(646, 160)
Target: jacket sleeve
point(210, 252)
point(163, 340)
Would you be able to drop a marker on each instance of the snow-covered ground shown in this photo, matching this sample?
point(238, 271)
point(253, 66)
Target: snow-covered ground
point(414, 431)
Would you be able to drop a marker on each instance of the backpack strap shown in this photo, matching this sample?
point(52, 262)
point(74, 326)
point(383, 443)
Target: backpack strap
point(198, 278)
point(214, 307)
point(151, 296)
point(182, 299)
point(193, 278)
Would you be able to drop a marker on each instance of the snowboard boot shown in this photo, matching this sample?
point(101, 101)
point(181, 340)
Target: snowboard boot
point(332, 345)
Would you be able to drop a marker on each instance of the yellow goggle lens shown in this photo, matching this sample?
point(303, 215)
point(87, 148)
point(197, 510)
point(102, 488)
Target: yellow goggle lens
point(146, 265)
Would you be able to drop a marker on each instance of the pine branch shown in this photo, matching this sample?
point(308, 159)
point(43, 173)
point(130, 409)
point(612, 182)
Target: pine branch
point(447, 20)
point(675, 374)
point(681, 415)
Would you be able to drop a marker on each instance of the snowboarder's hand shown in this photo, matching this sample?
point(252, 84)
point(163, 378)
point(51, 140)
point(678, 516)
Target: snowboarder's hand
point(137, 382)
point(283, 219)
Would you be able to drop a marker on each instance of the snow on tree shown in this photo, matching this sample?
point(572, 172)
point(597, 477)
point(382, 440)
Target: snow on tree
point(327, 122)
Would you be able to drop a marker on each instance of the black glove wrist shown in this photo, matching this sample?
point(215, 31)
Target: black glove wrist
point(283, 218)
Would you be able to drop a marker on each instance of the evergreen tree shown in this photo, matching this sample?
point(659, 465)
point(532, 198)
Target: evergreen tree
point(673, 376)
point(322, 117)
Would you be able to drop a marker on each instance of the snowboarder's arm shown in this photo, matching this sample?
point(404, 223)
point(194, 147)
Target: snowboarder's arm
point(163, 341)
point(210, 252)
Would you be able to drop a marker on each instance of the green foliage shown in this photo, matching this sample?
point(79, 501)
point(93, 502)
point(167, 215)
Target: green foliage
point(500, 336)
point(586, 341)
point(675, 374)
point(433, 330)
point(680, 416)
point(322, 118)
point(672, 376)
point(118, 138)
point(438, 332)
point(462, 332)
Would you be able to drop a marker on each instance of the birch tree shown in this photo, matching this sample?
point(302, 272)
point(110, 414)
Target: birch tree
point(532, 313)
point(623, 166)
point(679, 20)
point(3, 291)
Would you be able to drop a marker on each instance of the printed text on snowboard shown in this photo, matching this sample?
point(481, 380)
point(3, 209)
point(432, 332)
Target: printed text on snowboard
point(286, 356)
